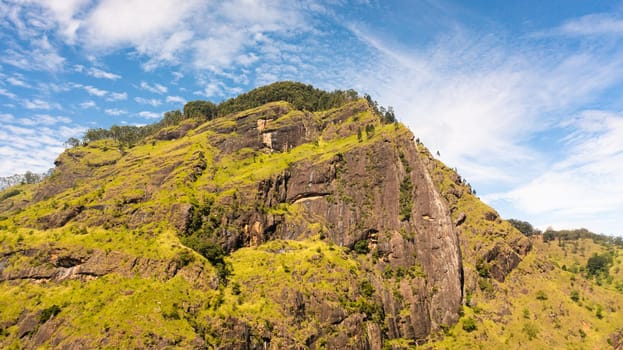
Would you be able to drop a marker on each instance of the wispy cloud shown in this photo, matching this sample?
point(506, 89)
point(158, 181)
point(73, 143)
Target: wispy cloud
point(584, 184)
point(148, 101)
point(150, 115)
point(40, 104)
point(115, 111)
point(32, 143)
point(17, 81)
point(176, 99)
point(92, 90)
point(96, 72)
point(155, 88)
point(88, 104)
point(117, 96)
point(593, 24)
point(177, 76)
point(7, 93)
point(43, 119)
point(40, 55)
point(6, 117)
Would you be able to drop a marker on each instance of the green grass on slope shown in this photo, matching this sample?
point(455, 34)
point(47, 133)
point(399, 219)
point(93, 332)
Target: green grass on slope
point(127, 312)
point(542, 306)
point(160, 244)
point(107, 311)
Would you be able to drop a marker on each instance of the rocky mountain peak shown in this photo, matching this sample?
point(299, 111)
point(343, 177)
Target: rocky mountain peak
point(369, 234)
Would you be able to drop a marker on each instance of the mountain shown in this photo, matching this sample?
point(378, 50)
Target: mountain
point(287, 217)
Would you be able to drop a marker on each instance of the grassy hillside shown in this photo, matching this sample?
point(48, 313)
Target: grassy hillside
point(548, 302)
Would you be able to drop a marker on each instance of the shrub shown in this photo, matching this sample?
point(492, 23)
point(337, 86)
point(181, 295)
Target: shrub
point(468, 298)
point(406, 199)
point(388, 272)
point(526, 313)
point(373, 311)
point(531, 330)
point(599, 312)
point(183, 258)
point(366, 289)
point(235, 288)
point(575, 295)
point(9, 194)
point(482, 268)
point(361, 247)
point(48, 313)
point(213, 252)
point(469, 325)
point(485, 285)
point(598, 264)
point(540, 295)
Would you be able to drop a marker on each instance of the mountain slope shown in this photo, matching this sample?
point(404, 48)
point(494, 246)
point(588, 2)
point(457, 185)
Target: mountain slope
point(269, 227)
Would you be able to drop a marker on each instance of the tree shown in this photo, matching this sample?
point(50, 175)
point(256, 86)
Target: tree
point(200, 109)
point(523, 226)
point(72, 142)
point(172, 118)
point(549, 235)
point(95, 134)
point(31, 178)
point(598, 264)
point(301, 96)
point(389, 116)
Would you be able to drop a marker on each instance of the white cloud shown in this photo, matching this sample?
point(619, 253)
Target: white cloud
point(40, 56)
point(150, 115)
point(115, 111)
point(7, 93)
point(148, 101)
point(43, 119)
point(584, 185)
point(6, 117)
point(177, 76)
point(155, 88)
point(169, 50)
point(39, 104)
point(32, 143)
point(593, 24)
point(15, 81)
point(176, 99)
point(65, 14)
point(92, 90)
point(88, 104)
point(48, 88)
point(211, 89)
point(117, 96)
point(98, 73)
point(140, 23)
point(214, 35)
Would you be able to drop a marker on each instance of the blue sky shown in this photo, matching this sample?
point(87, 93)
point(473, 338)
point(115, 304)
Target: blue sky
point(524, 98)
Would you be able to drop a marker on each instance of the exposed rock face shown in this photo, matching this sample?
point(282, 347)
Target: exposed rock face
point(50, 264)
point(356, 195)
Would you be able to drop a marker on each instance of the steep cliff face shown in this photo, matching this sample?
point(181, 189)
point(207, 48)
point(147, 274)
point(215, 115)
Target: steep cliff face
point(340, 231)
